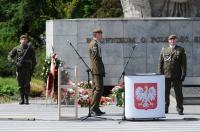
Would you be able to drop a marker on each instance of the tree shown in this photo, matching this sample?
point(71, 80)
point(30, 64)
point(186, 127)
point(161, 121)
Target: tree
point(108, 8)
point(19, 17)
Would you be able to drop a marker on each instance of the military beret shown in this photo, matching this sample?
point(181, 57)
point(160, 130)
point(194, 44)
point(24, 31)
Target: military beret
point(172, 36)
point(23, 36)
point(97, 30)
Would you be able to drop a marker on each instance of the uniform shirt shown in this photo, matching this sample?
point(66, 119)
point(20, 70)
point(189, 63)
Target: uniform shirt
point(95, 55)
point(173, 63)
point(172, 47)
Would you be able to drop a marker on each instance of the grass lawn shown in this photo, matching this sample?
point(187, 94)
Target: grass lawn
point(9, 89)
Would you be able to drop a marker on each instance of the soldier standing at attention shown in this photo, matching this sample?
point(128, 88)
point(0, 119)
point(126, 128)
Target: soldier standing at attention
point(173, 65)
point(97, 69)
point(23, 56)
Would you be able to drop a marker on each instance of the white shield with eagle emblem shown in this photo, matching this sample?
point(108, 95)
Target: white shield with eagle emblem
point(145, 95)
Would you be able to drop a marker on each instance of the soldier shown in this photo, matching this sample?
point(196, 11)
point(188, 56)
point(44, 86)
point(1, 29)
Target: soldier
point(23, 56)
point(97, 69)
point(173, 65)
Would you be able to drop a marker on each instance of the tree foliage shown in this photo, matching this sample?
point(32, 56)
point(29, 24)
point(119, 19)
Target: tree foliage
point(19, 17)
point(29, 16)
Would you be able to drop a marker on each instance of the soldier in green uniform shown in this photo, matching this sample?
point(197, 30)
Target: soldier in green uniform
point(173, 65)
point(23, 56)
point(97, 69)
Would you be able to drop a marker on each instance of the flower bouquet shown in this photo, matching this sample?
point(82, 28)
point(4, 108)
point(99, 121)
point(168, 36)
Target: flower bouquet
point(67, 96)
point(118, 94)
point(105, 100)
point(84, 95)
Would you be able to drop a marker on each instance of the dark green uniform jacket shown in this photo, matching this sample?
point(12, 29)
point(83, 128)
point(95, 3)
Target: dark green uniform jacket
point(173, 63)
point(29, 61)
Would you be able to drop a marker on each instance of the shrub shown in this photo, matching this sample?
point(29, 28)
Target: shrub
point(8, 89)
point(4, 99)
point(37, 88)
point(5, 67)
point(8, 86)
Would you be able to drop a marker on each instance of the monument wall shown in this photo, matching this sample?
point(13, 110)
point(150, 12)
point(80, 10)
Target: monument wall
point(120, 35)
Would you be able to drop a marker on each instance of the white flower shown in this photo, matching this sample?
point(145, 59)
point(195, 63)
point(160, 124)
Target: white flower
point(85, 97)
point(117, 87)
point(70, 90)
point(108, 103)
point(122, 94)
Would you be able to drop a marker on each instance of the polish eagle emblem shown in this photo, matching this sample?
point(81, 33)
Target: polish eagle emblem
point(145, 95)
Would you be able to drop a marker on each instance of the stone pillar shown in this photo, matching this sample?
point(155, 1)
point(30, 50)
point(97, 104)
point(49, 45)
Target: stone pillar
point(136, 8)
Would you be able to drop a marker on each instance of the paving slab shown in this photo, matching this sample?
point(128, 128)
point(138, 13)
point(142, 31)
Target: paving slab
point(37, 117)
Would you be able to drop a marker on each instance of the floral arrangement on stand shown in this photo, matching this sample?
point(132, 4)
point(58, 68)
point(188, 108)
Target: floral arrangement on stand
point(118, 94)
point(46, 67)
point(67, 96)
point(84, 97)
point(49, 74)
point(84, 94)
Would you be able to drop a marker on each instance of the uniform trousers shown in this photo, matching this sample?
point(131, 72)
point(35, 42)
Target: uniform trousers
point(177, 84)
point(97, 91)
point(23, 79)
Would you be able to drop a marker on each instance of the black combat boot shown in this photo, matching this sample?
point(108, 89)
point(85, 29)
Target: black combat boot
point(26, 100)
point(22, 100)
point(21, 94)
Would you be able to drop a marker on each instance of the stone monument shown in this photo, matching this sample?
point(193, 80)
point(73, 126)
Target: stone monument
point(170, 11)
point(136, 8)
point(161, 8)
point(121, 34)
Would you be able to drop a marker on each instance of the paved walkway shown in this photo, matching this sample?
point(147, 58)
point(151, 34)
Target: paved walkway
point(13, 118)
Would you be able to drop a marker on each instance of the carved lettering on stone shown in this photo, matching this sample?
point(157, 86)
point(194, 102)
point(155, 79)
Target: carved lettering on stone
point(143, 39)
